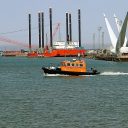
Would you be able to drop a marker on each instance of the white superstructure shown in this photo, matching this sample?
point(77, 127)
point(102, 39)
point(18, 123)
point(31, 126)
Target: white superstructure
point(119, 25)
point(112, 35)
point(64, 45)
point(119, 45)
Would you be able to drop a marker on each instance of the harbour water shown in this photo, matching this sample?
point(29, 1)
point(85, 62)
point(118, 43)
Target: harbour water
point(28, 99)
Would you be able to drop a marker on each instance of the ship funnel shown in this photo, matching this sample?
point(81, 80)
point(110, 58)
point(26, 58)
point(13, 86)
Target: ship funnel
point(50, 17)
point(79, 26)
point(42, 17)
point(39, 27)
point(67, 34)
point(29, 18)
point(70, 27)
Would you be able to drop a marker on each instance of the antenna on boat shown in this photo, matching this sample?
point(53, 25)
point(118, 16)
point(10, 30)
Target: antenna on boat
point(79, 56)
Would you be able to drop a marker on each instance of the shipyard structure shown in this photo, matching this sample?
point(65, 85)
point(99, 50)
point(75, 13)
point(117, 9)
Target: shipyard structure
point(119, 51)
point(58, 48)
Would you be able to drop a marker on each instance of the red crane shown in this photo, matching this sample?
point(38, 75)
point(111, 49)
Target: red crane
point(56, 29)
point(15, 42)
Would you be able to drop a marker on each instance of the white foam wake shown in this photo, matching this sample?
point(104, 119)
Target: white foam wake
point(114, 73)
point(102, 73)
point(54, 75)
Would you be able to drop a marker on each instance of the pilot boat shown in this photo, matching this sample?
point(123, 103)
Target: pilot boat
point(74, 67)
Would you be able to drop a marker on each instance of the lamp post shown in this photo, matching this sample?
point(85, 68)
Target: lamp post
point(102, 40)
point(93, 40)
point(99, 29)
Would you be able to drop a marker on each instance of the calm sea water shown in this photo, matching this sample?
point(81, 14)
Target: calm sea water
point(28, 99)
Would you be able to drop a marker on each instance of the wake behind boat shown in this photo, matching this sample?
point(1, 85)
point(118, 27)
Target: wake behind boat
point(75, 67)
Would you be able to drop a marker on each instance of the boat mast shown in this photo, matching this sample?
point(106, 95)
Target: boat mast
point(42, 17)
point(39, 27)
point(79, 26)
point(70, 27)
point(29, 16)
point(50, 17)
point(67, 34)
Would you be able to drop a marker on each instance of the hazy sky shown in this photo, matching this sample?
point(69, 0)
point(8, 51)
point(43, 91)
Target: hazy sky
point(14, 17)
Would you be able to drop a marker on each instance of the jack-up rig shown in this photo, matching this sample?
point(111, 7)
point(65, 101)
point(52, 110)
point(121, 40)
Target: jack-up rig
point(59, 48)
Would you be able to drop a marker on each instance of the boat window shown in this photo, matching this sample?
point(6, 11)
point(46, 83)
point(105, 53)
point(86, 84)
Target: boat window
point(81, 65)
point(72, 64)
point(68, 64)
point(77, 65)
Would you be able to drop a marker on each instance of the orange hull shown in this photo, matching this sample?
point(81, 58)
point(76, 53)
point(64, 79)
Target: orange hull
point(58, 53)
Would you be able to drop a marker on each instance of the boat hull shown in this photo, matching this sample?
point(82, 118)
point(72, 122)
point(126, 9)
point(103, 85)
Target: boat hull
point(58, 71)
point(58, 53)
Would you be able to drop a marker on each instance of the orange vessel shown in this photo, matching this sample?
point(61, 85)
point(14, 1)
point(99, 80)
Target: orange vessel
point(58, 53)
point(75, 67)
point(59, 48)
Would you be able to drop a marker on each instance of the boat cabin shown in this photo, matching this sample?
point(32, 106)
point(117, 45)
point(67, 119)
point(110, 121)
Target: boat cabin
point(73, 66)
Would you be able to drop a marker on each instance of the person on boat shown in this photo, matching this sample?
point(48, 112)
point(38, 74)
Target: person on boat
point(52, 66)
point(93, 70)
